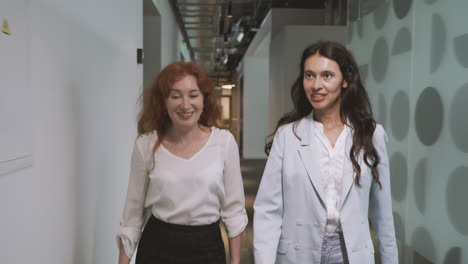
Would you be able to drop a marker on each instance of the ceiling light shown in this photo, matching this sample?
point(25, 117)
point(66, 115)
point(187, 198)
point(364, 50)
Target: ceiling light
point(240, 36)
point(229, 10)
point(228, 86)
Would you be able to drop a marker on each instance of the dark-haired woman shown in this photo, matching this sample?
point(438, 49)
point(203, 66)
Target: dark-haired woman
point(186, 171)
point(327, 172)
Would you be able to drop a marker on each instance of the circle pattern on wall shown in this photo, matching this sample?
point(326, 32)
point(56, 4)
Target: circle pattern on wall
point(457, 195)
point(381, 15)
point(420, 185)
point(363, 72)
point(438, 39)
point(429, 116)
point(459, 119)
point(424, 250)
point(399, 176)
point(399, 227)
point(382, 114)
point(400, 113)
point(402, 42)
point(460, 43)
point(359, 27)
point(350, 32)
point(453, 256)
point(402, 7)
point(399, 233)
point(380, 58)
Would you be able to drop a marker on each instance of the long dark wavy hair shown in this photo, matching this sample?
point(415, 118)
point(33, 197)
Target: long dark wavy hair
point(354, 106)
point(153, 114)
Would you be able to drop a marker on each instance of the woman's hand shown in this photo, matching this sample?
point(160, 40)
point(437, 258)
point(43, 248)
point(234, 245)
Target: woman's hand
point(123, 258)
point(235, 248)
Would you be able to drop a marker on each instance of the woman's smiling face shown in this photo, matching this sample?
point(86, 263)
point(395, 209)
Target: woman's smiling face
point(185, 103)
point(323, 82)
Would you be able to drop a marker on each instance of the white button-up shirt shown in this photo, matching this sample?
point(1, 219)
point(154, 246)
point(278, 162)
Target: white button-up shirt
point(331, 169)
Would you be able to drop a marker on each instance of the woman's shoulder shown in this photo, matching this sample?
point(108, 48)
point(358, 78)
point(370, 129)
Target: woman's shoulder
point(291, 128)
point(147, 139)
point(379, 133)
point(221, 134)
point(147, 135)
point(287, 127)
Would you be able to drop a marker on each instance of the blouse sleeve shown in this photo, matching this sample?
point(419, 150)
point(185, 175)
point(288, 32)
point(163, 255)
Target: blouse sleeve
point(233, 211)
point(133, 217)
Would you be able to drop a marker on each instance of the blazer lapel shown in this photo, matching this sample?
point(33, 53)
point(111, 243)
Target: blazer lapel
point(310, 155)
point(348, 171)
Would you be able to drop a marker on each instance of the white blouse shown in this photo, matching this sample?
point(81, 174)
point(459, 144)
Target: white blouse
point(331, 169)
point(194, 191)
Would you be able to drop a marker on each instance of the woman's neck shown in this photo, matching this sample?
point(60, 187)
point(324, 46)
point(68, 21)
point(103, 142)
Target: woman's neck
point(329, 120)
point(183, 135)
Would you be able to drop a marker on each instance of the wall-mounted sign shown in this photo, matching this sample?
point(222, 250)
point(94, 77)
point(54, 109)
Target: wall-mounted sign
point(5, 27)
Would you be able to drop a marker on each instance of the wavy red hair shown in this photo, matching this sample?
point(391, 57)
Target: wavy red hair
point(153, 115)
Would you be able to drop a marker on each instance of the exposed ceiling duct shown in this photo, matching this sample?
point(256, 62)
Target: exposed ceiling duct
point(218, 32)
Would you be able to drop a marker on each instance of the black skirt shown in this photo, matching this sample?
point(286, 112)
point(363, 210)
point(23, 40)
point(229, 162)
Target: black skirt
point(165, 243)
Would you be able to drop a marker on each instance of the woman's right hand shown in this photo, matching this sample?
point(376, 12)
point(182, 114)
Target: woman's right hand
point(123, 258)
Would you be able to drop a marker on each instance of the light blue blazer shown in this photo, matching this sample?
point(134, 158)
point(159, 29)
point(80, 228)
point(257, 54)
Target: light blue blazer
point(290, 212)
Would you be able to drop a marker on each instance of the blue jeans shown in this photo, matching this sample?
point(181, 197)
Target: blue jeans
point(334, 249)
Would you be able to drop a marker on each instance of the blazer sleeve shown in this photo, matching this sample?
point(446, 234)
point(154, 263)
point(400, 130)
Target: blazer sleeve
point(380, 207)
point(268, 206)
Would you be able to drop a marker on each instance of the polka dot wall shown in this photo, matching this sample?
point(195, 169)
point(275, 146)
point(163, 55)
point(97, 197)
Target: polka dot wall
point(413, 58)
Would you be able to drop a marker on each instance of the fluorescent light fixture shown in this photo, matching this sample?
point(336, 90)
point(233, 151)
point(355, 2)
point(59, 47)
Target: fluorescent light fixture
point(240, 36)
point(229, 10)
point(228, 86)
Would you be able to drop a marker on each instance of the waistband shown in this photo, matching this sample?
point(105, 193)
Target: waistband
point(332, 235)
point(177, 227)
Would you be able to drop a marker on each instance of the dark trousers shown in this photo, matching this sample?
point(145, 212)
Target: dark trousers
point(165, 243)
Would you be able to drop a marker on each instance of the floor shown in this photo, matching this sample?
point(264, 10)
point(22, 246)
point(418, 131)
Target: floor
point(252, 170)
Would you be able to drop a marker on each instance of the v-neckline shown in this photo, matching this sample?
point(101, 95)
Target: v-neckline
point(320, 133)
point(194, 155)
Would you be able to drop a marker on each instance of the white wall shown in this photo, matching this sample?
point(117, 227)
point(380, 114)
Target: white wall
point(281, 17)
point(255, 101)
point(85, 83)
point(151, 46)
point(171, 37)
point(270, 66)
point(15, 144)
point(255, 71)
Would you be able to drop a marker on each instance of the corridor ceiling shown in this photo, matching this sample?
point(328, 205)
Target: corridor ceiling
point(217, 33)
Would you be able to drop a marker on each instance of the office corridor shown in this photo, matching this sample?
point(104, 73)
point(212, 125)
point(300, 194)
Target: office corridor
point(252, 170)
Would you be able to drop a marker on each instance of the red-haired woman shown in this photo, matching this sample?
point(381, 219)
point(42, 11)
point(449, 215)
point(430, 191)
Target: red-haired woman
point(186, 171)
